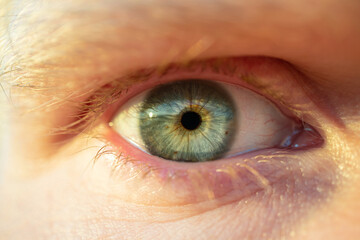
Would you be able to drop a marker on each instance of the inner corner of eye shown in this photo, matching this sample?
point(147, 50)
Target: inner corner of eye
point(195, 120)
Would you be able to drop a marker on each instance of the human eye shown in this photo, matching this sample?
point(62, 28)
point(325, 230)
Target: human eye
point(255, 143)
point(197, 120)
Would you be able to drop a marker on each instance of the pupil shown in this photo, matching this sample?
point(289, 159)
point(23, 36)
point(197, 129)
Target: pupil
point(191, 120)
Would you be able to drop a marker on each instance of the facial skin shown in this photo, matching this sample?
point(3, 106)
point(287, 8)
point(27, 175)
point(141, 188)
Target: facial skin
point(56, 54)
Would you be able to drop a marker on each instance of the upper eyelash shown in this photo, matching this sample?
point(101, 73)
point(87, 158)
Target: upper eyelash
point(91, 109)
point(94, 106)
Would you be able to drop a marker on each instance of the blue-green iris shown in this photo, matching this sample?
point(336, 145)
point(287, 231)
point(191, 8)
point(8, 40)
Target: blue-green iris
point(190, 120)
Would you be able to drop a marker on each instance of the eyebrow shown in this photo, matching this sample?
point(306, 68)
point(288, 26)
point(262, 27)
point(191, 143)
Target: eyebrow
point(75, 44)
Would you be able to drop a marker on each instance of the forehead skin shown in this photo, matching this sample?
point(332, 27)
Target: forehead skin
point(133, 34)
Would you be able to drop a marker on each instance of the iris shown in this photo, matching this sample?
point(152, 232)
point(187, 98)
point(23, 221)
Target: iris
point(189, 120)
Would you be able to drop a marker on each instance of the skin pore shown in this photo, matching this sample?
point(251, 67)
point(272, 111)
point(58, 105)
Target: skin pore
point(55, 55)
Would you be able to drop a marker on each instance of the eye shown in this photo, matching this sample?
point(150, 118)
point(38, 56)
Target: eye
point(200, 120)
point(210, 130)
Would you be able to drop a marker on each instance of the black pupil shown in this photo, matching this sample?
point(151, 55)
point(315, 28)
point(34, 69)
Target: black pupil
point(191, 120)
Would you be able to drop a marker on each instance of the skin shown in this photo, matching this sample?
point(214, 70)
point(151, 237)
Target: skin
point(52, 50)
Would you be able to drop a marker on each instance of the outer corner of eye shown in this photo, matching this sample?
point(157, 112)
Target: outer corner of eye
point(194, 120)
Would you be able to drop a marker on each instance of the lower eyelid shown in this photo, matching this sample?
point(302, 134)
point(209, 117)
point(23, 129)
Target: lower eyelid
point(149, 180)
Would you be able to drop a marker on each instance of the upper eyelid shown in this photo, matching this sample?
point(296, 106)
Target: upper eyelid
point(267, 76)
point(244, 70)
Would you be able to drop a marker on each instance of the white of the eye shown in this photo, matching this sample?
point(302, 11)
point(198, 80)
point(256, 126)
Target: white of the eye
point(126, 122)
point(259, 123)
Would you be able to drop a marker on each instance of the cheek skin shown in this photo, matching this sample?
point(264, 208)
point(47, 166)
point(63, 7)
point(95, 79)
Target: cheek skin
point(67, 203)
point(340, 216)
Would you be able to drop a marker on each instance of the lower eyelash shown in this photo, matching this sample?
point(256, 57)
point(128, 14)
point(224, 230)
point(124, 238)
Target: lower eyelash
point(193, 183)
